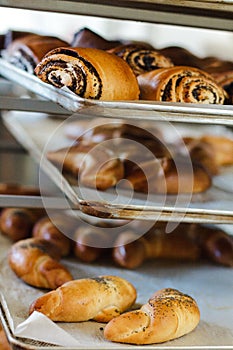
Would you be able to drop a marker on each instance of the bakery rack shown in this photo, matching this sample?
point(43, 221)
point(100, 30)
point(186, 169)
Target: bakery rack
point(47, 99)
point(211, 14)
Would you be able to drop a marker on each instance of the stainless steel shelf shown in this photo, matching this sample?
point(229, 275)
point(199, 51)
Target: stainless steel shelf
point(205, 14)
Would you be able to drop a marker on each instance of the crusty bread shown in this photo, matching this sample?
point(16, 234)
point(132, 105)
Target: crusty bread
point(167, 315)
point(98, 299)
point(35, 262)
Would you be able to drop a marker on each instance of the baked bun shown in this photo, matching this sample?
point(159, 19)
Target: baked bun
point(142, 58)
point(35, 261)
point(89, 73)
point(180, 84)
point(27, 51)
point(168, 314)
point(98, 299)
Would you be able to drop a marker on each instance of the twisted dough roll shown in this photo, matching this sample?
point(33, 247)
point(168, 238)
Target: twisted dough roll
point(28, 51)
point(169, 314)
point(89, 73)
point(98, 299)
point(130, 251)
point(96, 167)
point(35, 262)
point(141, 58)
point(55, 229)
point(180, 84)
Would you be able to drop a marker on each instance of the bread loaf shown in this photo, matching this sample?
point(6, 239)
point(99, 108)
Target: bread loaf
point(167, 315)
point(142, 58)
point(26, 52)
point(89, 73)
point(180, 84)
point(35, 261)
point(98, 299)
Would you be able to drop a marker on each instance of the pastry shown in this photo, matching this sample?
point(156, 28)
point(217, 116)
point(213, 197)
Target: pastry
point(142, 58)
point(17, 223)
point(56, 229)
point(85, 37)
point(168, 314)
point(99, 299)
point(35, 261)
point(181, 56)
point(130, 251)
point(180, 84)
point(89, 73)
point(26, 52)
point(93, 165)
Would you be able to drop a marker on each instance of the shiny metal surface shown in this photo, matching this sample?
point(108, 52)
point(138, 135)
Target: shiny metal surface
point(212, 206)
point(146, 110)
point(206, 14)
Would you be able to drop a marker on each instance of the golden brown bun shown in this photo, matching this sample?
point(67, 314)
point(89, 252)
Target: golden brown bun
point(95, 166)
point(169, 176)
point(26, 52)
point(103, 75)
point(142, 58)
point(17, 223)
point(169, 314)
point(98, 299)
point(56, 229)
point(222, 148)
point(91, 242)
point(180, 84)
point(215, 244)
point(35, 262)
point(130, 251)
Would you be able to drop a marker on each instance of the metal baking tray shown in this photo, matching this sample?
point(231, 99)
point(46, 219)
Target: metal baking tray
point(39, 133)
point(210, 285)
point(154, 111)
point(215, 14)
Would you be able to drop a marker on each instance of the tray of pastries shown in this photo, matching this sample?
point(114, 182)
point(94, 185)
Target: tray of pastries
point(82, 285)
point(121, 79)
point(114, 169)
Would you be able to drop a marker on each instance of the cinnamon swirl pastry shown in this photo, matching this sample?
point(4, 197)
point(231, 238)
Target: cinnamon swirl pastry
point(141, 58)
point(180, 84)
point(26, 52)
point(89, 73)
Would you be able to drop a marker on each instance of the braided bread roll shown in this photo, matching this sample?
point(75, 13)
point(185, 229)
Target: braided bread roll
point(35, 262)
point(98, 299)
point(168, 314)
point(142, 58)
point(89, 73)
point(180, 84)
point(26, 52)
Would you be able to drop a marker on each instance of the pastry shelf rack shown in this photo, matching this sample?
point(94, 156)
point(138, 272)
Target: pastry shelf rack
point(211, 14)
